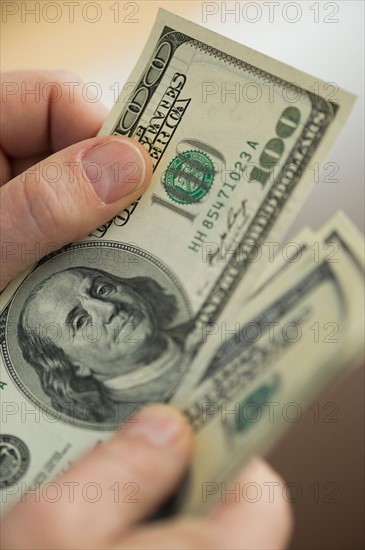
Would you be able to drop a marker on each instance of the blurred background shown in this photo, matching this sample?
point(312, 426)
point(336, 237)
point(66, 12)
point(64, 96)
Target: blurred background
point(322, 455)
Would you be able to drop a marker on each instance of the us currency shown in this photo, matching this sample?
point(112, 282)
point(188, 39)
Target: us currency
point(304, 329)
point(229, 173)
point(290, 253)
point(310, 248)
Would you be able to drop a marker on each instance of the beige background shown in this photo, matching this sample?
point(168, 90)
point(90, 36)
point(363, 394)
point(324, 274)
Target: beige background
point(326, 41)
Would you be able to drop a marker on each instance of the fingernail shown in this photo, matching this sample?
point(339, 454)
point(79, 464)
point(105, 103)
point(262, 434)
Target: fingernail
point(114, 169)
point(159, 425)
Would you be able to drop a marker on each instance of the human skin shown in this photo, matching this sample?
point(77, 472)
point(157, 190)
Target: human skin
point(155, 449)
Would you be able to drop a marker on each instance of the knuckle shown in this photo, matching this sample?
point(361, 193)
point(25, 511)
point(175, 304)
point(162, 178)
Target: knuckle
point(43, 213)
point(51, 199)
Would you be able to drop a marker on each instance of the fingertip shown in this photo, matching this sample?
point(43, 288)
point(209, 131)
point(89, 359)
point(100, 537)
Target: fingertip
point(123, 170)
point(276, 502)
point(255, 512)
point(148, 162)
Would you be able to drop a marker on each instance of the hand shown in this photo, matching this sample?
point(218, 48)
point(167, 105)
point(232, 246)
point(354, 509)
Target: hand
point(141, 465)
point(75, 185)
point(102, 499)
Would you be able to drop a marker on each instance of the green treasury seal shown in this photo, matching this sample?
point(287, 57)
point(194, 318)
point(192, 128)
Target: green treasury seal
point(189, 177)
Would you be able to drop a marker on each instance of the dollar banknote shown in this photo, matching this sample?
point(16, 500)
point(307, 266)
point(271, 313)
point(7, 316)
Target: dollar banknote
point(230, 171)
point(304, 329)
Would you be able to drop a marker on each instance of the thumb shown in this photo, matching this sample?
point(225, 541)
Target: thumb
point(132, 473)
point(66, 196)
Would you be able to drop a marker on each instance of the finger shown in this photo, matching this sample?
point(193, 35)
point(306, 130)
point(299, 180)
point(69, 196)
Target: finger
point(45, 111)
point(258, 519)
point(257, 499)
point(68, 195)
point(132, 473)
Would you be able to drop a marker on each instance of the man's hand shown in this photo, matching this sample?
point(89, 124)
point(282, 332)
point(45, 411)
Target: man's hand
point(72, 185)
point(102, 500)
point(59, 184)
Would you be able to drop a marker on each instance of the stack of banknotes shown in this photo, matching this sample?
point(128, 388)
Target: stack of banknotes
point(192, 296)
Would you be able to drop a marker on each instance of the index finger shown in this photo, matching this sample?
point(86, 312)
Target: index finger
point(45, 111)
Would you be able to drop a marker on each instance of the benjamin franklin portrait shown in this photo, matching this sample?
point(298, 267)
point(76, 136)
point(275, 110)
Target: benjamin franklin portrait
point(98, 338)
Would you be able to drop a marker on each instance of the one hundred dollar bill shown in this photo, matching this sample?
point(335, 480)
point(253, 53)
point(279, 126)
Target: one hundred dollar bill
point(230, 171)
point(305, 329)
